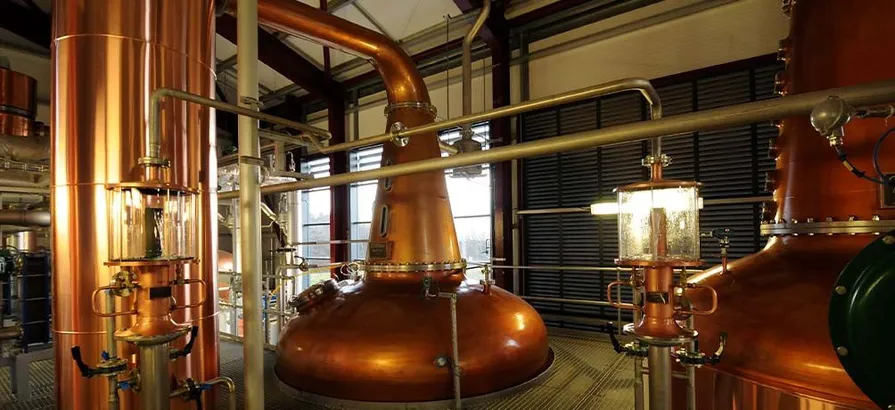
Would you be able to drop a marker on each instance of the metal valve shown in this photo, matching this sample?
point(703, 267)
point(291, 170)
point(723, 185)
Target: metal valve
point(109, 366)
point(697, 358)
point(723, 237)
point(632, 349)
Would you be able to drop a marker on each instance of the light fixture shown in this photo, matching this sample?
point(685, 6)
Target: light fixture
point(151, 222)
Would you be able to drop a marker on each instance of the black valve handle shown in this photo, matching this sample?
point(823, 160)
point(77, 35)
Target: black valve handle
point(86, 371)
point(610, 328)
point(188, 348)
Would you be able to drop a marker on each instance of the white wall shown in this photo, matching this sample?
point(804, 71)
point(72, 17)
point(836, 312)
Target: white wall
point(585, 56)
point(731, 32)
point(636, 44)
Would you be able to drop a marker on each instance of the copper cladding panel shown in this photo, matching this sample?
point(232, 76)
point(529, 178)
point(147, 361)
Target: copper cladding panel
point(17, 102)
point(107, 57)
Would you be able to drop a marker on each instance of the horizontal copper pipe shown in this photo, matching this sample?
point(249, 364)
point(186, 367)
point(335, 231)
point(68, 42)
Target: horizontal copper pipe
point(735, 115)
point(24, 218)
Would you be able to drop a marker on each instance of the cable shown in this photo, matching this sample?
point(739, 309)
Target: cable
point(876, 148)
point(854, 170)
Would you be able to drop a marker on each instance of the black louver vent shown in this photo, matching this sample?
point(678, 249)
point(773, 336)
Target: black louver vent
point(731, 163)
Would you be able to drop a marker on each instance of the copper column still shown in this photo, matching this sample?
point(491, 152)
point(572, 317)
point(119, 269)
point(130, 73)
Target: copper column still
point(379, 339)
point(107, 57)
point(775, 303)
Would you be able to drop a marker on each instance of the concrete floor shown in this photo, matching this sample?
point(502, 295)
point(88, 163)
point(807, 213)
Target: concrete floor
point(587, 374)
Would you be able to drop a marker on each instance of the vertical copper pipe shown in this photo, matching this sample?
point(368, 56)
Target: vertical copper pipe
point(107, 57)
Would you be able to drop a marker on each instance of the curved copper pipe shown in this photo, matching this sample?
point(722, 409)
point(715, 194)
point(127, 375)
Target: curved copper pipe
point(403, 83)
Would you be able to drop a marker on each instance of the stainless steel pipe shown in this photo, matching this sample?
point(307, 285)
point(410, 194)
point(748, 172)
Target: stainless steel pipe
point(231, 389)
point(455, 349)
point(614, 87)
point(24, 217)
point(250, 203)
point(659, 378)
point(153, 144)
point(742, 114)
point(467, 55)
point(563, 300)
point(155, 373)
point(112, 348)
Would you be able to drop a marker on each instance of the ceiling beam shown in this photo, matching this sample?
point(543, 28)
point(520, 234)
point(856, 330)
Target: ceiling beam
point(496, 30)
point(284, 60)
point(26, 22)
point(334, 5)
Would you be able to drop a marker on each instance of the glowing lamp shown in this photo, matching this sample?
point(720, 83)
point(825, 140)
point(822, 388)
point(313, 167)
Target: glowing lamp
point(658, 222)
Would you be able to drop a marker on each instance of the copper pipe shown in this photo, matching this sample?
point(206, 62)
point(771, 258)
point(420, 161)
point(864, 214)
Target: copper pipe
point(24, 217)
point(107, 56)
point(402, 80)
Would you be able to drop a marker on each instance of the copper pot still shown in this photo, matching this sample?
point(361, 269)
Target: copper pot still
point(380, 339)
point(107, 57)
point(774, 304)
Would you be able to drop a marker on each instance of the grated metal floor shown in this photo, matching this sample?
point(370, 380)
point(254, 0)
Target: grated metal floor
point(587, 375)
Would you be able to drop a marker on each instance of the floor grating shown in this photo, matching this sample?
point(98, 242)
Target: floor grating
point(587, 375)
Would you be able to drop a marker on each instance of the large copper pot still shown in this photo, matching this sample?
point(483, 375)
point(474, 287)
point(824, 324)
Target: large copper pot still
point(108, 56)
point(774, 304)
point(378, 340)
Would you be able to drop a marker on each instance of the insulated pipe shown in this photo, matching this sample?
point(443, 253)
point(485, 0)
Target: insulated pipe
point(155, 384)
point(24, 217)
point(659, 378)
point(250, 204)
point(112, 348)
point(627, 84)
point(742, 114)
point(467, 55)
point(153, 144)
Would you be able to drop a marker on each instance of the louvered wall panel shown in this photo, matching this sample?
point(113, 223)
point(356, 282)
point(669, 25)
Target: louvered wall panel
point(730, 162)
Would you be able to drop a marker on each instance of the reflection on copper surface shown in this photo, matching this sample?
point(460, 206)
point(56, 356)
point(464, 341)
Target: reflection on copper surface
point(774, 304)
point(17, 103)
point(377, 340)
point(107, 57)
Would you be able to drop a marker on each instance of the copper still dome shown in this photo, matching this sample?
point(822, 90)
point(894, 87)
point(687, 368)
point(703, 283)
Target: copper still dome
point(381, 339)
point(774, 304)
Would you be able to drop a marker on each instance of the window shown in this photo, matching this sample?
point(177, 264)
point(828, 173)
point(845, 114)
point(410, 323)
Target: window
point(315, 212)
point(470, 203)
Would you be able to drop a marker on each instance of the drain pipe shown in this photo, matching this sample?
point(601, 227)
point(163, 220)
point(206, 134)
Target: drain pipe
point(249, 203)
